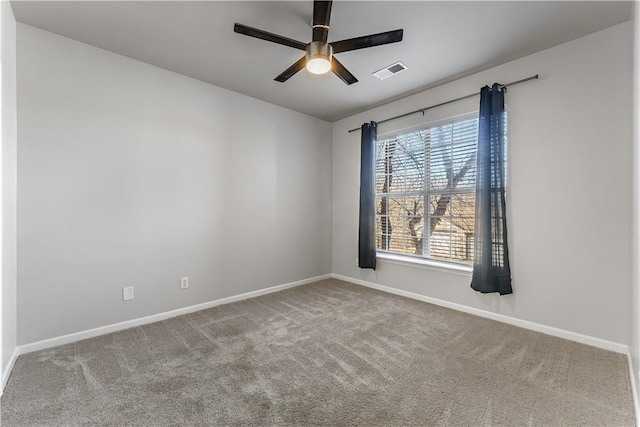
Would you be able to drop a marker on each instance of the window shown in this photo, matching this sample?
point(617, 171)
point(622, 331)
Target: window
point(425, 191)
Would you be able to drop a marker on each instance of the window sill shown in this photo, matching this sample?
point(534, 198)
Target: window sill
point(429, 264)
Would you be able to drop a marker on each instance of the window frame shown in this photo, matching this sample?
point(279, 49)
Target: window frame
point(423, 261)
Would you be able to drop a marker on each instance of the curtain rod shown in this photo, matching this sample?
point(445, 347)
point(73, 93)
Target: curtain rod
point(422, 110)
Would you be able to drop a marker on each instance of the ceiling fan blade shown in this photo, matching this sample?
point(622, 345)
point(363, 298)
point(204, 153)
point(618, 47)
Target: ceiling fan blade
point(321, 16)
point(270, 37)
point(344, 74)
point(367, 41)
point(289, 72)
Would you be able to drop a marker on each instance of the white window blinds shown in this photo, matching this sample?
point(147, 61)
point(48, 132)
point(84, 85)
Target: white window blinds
point(432, 168)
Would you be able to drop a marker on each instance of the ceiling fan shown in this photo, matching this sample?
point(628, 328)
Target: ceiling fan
point(319, 57)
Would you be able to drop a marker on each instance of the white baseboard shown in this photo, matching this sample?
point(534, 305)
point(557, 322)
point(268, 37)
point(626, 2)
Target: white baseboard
point(549, 330)
point(77, 336)
point(8, 369)
point(103, 330)
point(634, 389)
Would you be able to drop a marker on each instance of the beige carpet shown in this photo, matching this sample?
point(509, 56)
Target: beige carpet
point(329, 353)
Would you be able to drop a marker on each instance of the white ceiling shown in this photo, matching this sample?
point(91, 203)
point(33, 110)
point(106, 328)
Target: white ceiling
point(442, 41)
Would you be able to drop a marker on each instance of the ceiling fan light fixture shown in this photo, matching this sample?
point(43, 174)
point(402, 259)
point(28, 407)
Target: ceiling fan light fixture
point(318, 65)
point(319, 57)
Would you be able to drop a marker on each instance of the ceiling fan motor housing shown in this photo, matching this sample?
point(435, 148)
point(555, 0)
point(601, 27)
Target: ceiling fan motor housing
point(320, 53)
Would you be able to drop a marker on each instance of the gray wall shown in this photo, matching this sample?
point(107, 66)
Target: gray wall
point(634, 300)
point(569, 188)
point(130, 175)
point(9, 167)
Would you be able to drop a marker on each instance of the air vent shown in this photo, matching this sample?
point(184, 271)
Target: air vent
point(390, 70)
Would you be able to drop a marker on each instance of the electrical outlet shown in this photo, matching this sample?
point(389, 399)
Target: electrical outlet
point(127, 293)
point(184, 282)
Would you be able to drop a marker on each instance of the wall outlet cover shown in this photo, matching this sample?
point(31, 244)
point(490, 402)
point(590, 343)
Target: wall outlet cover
point(127, 293)
point(184, 282)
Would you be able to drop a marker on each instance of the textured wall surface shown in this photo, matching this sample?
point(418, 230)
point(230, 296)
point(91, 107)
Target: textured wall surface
point(569, 188)
point(9, 189)
point(130, 175)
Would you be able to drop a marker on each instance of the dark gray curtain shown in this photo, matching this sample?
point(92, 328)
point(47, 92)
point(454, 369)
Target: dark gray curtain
point(367, 231)
point(491, 271)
